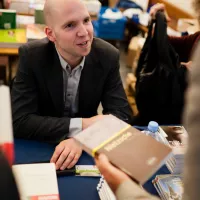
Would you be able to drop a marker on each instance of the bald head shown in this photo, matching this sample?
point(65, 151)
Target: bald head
point(53, 7)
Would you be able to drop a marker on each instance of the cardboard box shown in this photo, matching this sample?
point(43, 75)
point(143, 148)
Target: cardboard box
point(188, 25)
point(134, 50)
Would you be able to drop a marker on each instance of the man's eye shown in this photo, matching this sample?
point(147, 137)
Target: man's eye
point(86, 20)
point(69, 25)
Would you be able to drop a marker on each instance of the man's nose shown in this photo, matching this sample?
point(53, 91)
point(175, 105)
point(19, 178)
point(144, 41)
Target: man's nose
point(82, 31)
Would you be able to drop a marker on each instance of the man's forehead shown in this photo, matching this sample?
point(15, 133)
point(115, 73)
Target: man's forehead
point(69, 5)
point(69, 9)
point(71, 12)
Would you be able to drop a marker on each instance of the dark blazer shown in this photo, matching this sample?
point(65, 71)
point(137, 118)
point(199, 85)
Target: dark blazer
point(37, 93)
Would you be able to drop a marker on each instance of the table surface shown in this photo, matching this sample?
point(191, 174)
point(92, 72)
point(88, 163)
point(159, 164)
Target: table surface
point(70, 187)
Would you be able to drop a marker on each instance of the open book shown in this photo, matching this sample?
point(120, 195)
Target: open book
point(127, 148)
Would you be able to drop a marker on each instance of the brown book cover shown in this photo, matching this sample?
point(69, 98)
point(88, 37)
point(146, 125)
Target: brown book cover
point(127, 148)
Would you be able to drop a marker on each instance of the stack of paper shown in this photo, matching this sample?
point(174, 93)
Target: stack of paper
point(169, 186)
point(21, 6)
point(176, 138)
point(178, 158)
point(36, 181)
point(24, 20)
point(35, 31)
point(104, 191)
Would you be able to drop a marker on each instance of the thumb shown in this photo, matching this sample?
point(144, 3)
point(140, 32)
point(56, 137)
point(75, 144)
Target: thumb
point(102, 162)
point(103, 158)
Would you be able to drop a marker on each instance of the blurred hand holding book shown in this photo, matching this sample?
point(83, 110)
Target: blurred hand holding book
point(124, 147)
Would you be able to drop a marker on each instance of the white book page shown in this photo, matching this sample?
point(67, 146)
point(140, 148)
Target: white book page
point(35, 180)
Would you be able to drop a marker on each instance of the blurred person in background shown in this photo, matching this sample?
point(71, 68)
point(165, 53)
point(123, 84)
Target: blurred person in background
point(184, 45)
point(125, 189)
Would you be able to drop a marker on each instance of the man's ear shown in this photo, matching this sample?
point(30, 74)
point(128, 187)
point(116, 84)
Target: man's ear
point(50, 34)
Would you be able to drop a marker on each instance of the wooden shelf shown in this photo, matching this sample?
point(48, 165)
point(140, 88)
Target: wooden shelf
point(173, 10)
point(8, 51)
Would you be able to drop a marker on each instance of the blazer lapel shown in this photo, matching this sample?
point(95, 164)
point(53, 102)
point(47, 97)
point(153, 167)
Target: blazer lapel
point(90, 78)
point(54, 79)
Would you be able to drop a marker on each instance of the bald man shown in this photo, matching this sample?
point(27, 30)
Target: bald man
point(62, 79)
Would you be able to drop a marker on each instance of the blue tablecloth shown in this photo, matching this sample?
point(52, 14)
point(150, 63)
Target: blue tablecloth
point(70, 187)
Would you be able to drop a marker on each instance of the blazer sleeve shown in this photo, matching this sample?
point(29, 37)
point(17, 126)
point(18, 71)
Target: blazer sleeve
point(27, 121)
point(114, 99)
point(129, 190)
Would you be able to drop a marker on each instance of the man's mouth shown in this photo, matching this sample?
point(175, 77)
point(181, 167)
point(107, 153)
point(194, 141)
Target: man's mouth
point(83, 44)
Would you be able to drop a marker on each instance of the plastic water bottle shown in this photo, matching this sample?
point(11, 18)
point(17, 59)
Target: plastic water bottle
point(152, 130)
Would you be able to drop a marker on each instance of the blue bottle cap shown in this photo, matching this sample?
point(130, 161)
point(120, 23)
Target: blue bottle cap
point(153, 126)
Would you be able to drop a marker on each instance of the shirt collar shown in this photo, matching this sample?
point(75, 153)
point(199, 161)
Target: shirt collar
point(64, 63)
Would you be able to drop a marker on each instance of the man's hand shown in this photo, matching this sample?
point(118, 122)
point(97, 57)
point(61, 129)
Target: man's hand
point(86, 122)
point(159, 7)
point(112, 175)
point(66, 154)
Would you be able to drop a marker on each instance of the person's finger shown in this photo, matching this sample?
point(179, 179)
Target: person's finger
point(103, 163)
point(184, 63)
point(188, 65)
point(68, 160)
point(58, 150)
point(167, 17)
point(74, 161)
point(64, 155)
point(159, 7)
point(156, 8)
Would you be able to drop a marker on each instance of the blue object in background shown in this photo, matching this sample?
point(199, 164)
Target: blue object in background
point(106, 28)
point(152, 130)
point(153, 126)
point(127, 4)
point(135, 18)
